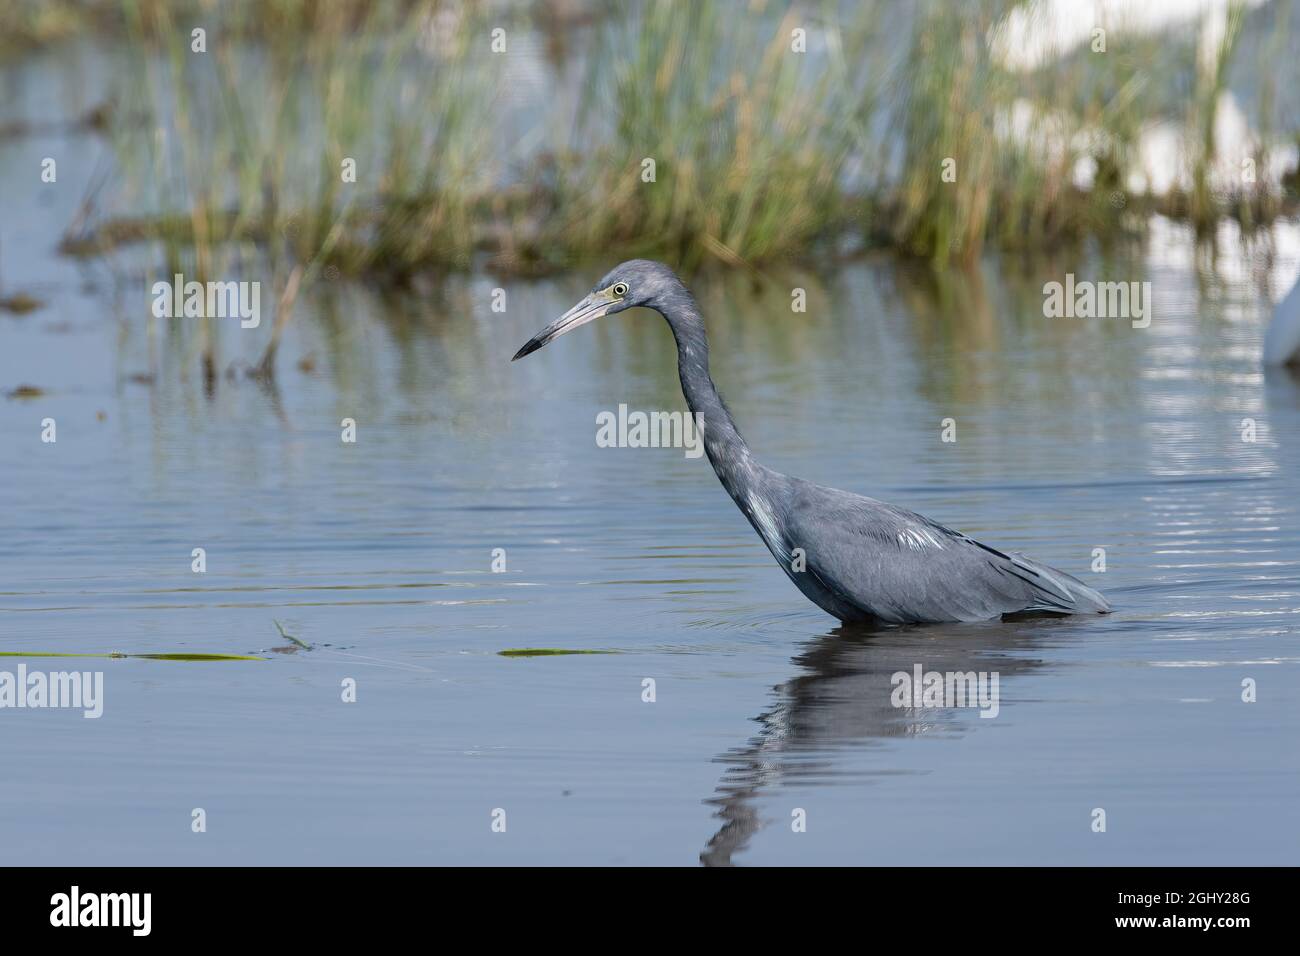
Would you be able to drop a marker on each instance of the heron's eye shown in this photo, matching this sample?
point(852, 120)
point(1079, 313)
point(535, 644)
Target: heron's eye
point(620, 289)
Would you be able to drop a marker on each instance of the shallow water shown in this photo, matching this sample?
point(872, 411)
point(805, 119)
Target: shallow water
point(1072, 435)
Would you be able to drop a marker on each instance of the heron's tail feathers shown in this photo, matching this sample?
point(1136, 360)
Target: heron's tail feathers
point(1058, 591)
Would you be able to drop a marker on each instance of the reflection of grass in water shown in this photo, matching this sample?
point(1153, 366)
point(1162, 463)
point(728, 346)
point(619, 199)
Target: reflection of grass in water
point(151, 657)
point(1204, 208)
point(545, 652)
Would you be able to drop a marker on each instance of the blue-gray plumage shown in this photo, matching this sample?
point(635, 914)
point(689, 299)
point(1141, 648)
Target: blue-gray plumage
point(856, 558)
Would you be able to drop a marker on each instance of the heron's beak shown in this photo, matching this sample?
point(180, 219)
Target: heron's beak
point(592, 307)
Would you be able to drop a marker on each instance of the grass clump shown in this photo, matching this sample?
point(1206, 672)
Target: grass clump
point(785, 132)
point(746, 133)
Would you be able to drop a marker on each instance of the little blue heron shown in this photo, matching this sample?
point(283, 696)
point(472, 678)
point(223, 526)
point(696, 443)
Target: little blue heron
point(856, 558)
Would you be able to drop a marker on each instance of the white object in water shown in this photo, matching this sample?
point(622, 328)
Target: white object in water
point(1282, 340)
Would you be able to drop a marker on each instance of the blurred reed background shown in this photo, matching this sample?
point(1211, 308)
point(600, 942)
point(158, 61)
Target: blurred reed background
point(762, 153)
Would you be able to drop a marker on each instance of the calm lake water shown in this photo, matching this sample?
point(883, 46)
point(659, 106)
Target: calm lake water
point(1072, 435)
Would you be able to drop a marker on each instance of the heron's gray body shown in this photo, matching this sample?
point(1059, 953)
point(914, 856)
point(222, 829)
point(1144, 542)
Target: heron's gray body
point(857, 558)
point(863, 559)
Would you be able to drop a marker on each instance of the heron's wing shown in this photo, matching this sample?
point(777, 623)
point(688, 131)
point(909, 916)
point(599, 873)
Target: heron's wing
point(900, 566)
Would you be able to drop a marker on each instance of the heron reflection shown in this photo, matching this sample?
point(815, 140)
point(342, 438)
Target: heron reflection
point(844, 693)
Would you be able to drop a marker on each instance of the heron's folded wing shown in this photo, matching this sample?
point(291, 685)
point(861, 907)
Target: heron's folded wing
point(901, 566)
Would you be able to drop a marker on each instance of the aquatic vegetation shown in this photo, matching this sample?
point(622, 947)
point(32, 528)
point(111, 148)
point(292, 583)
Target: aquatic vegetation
point(25, 392)
point(697, 136)
point(20, 303)
point(545, 652)
point(31, 24)
point(289, 637)
point(707, 135)
point(150, 657)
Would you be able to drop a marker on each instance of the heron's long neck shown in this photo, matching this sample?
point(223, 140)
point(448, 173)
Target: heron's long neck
point(727, 451)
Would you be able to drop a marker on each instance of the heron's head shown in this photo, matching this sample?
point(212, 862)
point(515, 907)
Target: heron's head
point(635, 282)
